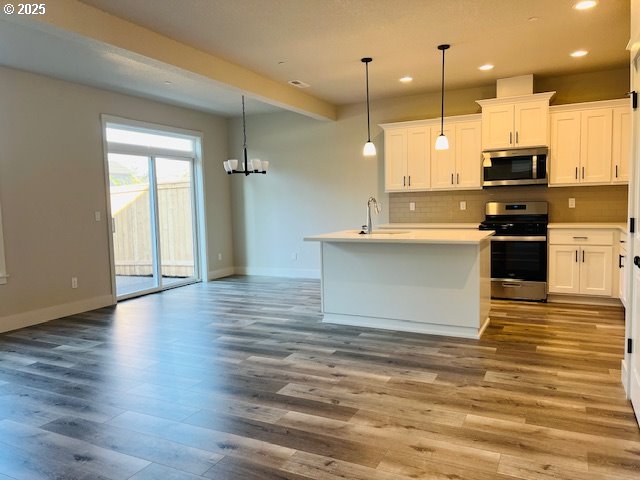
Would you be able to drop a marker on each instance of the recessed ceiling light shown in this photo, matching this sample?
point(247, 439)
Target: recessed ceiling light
point(167, 82)
point(585, 4)
point(579, 53)
point(406, 79)
point(486, 66)
point(533, 19)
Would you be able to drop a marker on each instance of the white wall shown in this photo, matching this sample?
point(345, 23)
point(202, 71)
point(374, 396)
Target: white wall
point(52, 181)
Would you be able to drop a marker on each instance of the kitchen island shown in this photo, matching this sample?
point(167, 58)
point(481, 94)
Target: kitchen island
point(427, 281)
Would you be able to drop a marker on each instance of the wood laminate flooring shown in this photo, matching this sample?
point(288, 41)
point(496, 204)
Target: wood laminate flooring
point(239, 379)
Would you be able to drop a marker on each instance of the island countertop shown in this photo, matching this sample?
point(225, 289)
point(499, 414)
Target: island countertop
point(434, 236)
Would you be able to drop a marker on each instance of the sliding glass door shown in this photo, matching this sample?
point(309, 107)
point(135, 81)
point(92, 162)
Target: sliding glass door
point(153, 210)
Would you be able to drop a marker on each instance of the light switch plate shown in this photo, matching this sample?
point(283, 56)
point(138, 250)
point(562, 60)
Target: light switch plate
point(412, 206)
point(572, 203)
point(98, 215)
point(463, 205)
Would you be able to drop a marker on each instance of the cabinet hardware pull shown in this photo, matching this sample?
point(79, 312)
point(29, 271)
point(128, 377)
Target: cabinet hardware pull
point(616, 171)
point(582, 256)
point(409, 180)
point(517, 141)
point(404, 181)
point(581, 238)
point(510, 138)
point(458, 178)
point(576, 256)
point(583, 173)
point(452, 179)
point(576, 173)
point(620, 258)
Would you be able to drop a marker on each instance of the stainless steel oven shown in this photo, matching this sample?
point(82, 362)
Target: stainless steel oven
point(518, 250)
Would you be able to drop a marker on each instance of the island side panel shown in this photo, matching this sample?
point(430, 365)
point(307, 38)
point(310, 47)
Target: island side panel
point(484, 259)
point(430, 284)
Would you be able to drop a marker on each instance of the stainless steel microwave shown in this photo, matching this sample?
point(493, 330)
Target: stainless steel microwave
point(523, 166)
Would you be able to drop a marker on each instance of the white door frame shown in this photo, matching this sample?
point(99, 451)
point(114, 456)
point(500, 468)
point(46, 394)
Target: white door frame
point(199, 204)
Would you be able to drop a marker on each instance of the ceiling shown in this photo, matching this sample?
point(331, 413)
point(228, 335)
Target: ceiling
point(320, 42)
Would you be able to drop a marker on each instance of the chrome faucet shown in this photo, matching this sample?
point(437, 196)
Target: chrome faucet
point(377, 206)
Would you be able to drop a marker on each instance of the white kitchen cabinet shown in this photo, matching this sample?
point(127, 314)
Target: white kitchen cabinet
point(514, 122)
point(581, 262)
point(459, 167)
point(589, 143)
point(406, 159)
point(413, 164)
point(621, 152)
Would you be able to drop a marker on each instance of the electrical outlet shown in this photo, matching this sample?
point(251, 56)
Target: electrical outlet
point(74, 282)
point(412, 206)
point(572, 203)
point(463, 205)
point(98, 215)
point(294, 256)
point(219, 257)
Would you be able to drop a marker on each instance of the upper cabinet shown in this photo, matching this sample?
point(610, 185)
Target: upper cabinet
point(515, 122)
point(589, 143)
point(411, 162)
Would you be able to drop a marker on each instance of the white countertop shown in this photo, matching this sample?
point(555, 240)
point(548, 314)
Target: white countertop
point(434, 236)
point(418, 226)
point(604, 225)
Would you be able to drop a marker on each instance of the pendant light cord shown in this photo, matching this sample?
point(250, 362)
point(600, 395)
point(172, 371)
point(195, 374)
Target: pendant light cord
point(366, 65)
point(244, 141)
point(442, 98)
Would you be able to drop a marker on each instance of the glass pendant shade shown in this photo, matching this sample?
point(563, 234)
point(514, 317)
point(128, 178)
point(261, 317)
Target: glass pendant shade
point(442, 142)
point(369, 150)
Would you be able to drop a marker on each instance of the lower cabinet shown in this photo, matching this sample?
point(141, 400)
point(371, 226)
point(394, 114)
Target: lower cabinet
point(581, 263)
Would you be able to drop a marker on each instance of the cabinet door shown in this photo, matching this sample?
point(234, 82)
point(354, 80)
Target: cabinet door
point(595, 270)
point(497, 127)
point(595, 145)
point(564, 149)
point(621, 144)
point(443, 162)
point(468, 155)
point(418, 158)
point(531, 120)
point(564, 269)
point(395, 159)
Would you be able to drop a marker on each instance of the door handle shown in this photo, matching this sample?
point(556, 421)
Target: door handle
point(409, 180)
point(404, 180)
point(576, 173)
point(583, 173)
point(452, 179)
point(636, 261)
point(510, 138)
point(576, 256)
point(457, 178)
point(620, 258)
point(582, 256)
point(516, 136)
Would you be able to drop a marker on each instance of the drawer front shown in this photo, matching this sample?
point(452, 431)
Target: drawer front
point(581, 237)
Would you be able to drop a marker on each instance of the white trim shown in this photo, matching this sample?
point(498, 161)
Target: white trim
point(624, 375)
point(405, 325)
point(516, 99)
point(634, 391)
point(583, 299)
point(149, 126)
point(33, 317)
point(3, 265)
point(279, 272)
point(569, 107)
point(431, 121)
point(220, 273)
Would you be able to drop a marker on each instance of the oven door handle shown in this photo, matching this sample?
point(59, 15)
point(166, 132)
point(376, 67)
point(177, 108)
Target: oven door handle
point(519, 238)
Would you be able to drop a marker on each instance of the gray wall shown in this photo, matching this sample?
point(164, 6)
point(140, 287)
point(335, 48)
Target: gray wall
point(320, 182)
point(52, 181)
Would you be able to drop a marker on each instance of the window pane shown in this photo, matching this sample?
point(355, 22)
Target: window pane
point(144, 139)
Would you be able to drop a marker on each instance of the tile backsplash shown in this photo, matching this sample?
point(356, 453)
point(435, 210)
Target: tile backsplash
point(593, 204)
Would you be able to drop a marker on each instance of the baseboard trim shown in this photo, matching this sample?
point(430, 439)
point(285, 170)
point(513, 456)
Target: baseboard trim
point(584, 299)
point(34, 317)
point(279, 272)
point(220, 273)
point(624, 376)
point(634, 391)
point(405, 325)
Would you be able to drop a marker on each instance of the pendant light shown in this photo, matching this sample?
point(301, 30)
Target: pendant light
point(369, 149)
point(248, 167)
point(442, 143)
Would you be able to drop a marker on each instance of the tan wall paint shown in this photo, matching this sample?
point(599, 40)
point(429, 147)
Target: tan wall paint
point(52, 181)
point(320, 182)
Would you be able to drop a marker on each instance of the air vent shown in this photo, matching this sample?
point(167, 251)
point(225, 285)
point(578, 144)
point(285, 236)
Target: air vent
point(298, 83)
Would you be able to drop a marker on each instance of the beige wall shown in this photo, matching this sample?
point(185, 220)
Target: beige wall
point(52, 181)
point(320, 182)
